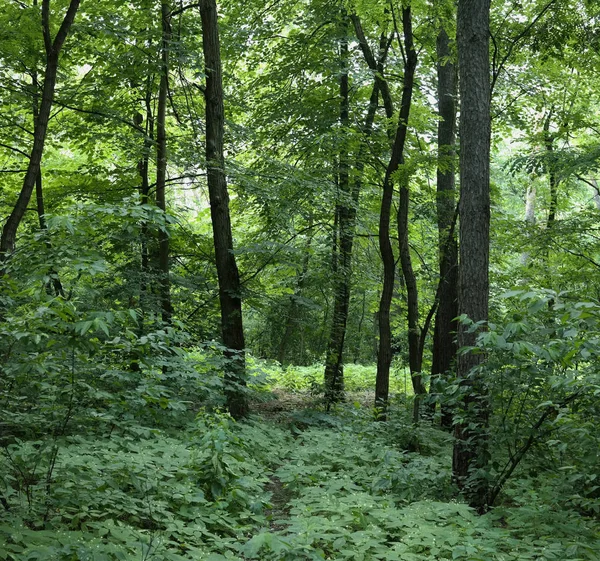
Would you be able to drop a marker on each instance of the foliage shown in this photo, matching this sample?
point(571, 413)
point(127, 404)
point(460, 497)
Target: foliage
point(113, 442)
point(357, 377)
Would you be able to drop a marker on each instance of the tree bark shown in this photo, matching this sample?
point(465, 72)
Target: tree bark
point(470, 448)
point(553, 181)
point(144, 168)
point(415, 356)
point(161, 164)
point(530, 197)
point(384, 354)
point(53, 48)
point(227, 271)
point(444, 342)
point(343, 240)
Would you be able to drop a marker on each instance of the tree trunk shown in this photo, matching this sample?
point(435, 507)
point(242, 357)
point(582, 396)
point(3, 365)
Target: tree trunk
point(549, 146)
point(53, 48)
point(54, 284)
point(596, 190)
point(343, 240)
point(530, 197)
point(227, 271)
point(470, 448)
point(444, 343)
point(161, 164)
point(415, 349)
point(384, 354)
point(144, 168)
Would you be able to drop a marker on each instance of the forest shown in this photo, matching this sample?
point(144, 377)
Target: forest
point(300, 280)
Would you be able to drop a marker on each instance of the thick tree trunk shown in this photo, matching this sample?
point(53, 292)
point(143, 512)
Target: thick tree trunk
point(53, 48)
point(470, 448)
point(227, 271)
point(384, 354)
point(444, 342)
point(161, 164)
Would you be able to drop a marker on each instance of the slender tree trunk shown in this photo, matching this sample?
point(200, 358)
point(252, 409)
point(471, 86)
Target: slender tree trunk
point(553, 181)
point(342, 247)
point(384, 354)
point(444, 342)
point(144, 170)
point(227, 271)
point(55, 283)
point(470, 448)
point(161, 164)
point(346, 213)
point(53, 48)
point(415, 354)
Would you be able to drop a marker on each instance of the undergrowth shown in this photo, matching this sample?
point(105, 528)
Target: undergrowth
point(356, 490)
point(357, 377)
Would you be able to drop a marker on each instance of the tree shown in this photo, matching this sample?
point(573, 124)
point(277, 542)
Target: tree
point(161, 162)
point(384, 354)
point(52, 48)
point(470, 448)
point(444, 343)
point(230, 296)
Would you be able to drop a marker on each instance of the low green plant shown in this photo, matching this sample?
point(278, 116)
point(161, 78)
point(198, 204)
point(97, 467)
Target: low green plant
point(357, 377)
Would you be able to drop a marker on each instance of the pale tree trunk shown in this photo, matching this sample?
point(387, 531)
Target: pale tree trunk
point(470, 448)
point(53, 48)
point(444, 342)
point(161, 164)
point(530, 197)
point(227, 271)
point(384, 354)
point(596, 192)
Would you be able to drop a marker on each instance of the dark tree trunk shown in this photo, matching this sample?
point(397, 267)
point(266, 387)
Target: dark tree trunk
point(345, 214)
point(144, 168)
point(384, 354)
point(415, 349)
point(227, 271)
point(470, 448)
point(161, 164)
point(53, 48)
point(553, 181)
point(444, 337)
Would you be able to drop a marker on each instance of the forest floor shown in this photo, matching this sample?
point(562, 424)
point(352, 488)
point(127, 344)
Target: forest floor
point(294, 482)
